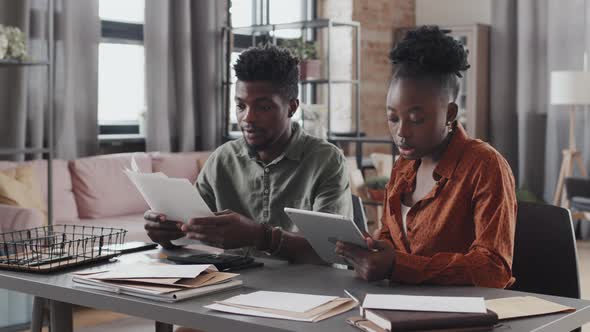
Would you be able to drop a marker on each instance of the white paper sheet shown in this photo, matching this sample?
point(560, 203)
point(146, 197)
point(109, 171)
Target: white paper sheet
point(177, 198)
point(138, 271)
point(425, 303)
point(240, 311)
point(293, 302)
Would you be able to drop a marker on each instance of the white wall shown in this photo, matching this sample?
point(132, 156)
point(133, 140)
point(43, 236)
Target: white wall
point(453, 12)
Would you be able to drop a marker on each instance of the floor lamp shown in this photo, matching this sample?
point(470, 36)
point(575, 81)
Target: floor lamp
point(570, 88)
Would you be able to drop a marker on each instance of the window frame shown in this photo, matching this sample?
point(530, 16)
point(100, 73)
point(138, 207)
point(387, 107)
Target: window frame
point(118, 32)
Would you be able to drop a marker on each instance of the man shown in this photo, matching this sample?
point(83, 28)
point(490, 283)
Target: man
point(249, 181)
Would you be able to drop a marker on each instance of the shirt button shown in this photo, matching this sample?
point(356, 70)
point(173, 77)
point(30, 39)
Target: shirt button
point(266, 191)
point(266, 170)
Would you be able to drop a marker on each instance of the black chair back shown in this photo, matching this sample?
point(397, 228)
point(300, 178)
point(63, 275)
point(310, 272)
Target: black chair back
point(358, 213)
point(545, 256)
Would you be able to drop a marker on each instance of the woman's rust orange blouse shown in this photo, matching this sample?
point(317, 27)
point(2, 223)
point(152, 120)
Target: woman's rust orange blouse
point(462, 232)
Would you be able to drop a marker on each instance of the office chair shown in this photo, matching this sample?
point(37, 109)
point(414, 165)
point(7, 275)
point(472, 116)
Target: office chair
point(545, 256)
point(358, 214)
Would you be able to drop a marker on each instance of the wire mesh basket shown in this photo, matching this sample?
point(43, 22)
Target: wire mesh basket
point(56, 247)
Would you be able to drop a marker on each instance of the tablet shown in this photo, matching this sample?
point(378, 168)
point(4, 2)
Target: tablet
point(322, 230)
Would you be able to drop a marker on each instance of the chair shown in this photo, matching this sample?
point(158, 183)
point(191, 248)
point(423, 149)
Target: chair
point(358, 214)
point(545, 256)
point(578, 193)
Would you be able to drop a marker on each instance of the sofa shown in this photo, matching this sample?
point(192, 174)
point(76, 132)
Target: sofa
point(94, 190)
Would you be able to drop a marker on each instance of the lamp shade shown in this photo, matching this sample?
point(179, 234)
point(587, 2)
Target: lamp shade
point(570, 88)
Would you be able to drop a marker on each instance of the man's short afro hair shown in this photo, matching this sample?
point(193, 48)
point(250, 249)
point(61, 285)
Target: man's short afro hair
point(270, 63)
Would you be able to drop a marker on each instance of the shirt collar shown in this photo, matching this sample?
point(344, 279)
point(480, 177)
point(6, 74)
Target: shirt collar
point(294, 150)
point(448, 163)
point(450, 158)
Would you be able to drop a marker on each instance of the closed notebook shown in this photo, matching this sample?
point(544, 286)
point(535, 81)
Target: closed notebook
point(400, 320)
point(367, 326)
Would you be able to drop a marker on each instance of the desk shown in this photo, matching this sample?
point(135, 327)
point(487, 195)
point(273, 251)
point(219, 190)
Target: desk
point(275, 276)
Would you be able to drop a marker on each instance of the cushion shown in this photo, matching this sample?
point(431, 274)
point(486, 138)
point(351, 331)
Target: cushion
point(179, 165)
point(20, 187)
point(102, 189)
point(64, 203)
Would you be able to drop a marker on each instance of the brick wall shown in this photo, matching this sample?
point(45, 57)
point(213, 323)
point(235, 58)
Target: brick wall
point(378, 19)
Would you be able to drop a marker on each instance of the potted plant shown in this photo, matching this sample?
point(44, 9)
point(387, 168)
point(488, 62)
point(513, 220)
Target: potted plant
point(376, 187)
point(307, 52)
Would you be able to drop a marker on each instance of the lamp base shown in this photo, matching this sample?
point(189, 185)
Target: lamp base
point(567, 169)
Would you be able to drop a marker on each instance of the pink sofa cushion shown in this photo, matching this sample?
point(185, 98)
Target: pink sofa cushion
point(179, 165)
point(16, 218)
point(64, 203)
point(103, 190)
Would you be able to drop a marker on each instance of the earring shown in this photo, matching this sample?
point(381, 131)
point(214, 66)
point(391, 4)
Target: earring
point(450, 126)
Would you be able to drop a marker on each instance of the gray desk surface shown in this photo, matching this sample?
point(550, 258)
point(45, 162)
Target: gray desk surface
point(276, 276)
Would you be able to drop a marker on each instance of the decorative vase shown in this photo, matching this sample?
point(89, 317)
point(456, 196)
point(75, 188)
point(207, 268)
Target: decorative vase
point(376, 194)
point(309, 69)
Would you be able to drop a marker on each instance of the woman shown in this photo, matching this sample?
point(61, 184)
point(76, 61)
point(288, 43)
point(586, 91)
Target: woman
point(450, 208)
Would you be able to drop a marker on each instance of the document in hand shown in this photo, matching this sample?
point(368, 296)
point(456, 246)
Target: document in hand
point(290, 306)
point(411, 313)
point(168, 283)
point(177, 198)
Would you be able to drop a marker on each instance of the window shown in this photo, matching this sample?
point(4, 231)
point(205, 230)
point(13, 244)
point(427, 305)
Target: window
point(257, 12)
point(121, 67)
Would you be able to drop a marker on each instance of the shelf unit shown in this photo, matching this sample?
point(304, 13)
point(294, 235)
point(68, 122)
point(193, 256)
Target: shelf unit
point(49, 149)
point(473, 99)
point(268, 32)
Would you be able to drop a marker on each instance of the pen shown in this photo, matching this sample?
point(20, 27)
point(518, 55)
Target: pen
point(352, 296)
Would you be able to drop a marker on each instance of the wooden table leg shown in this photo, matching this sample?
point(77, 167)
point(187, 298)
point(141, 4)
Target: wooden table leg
point(38, 314)
point(60, 316)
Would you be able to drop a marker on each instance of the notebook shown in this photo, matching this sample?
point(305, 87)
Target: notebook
point(399, 320)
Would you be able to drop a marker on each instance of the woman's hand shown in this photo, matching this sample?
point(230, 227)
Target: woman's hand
point(374, 263)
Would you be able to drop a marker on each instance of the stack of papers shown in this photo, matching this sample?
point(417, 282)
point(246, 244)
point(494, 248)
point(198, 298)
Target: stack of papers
point(177, 198)
point(168, 283)
point(290, 306)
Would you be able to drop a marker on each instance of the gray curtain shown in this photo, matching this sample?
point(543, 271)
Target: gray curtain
point(183, 43)
point(23, 90)
point(531, 38)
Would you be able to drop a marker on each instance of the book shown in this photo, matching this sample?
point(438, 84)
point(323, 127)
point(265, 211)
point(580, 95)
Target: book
point(367, 326)
point(402, 320)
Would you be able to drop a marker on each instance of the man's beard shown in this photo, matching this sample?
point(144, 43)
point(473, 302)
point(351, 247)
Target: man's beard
point(253, 148)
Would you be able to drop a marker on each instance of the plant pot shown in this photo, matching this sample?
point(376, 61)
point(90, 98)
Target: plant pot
point(376, 194)
point(309, 69)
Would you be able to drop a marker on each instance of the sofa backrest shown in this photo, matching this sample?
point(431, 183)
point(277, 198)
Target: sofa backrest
point(96, 187)
point(101, 187)
point(64, 203)
point(179, 165)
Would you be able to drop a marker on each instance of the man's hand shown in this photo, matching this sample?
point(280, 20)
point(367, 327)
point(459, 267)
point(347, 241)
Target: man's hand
point(227, 230)
point(161, 230)
point(373, 264)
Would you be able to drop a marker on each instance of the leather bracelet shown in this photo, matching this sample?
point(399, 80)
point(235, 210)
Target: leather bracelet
point(277, 241)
